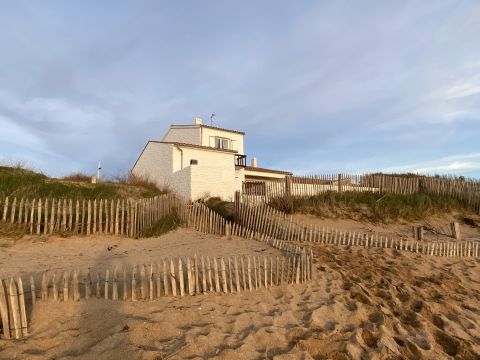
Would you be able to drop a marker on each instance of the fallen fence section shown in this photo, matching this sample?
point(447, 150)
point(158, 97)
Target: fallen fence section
point(176, 277)
point(13, 309)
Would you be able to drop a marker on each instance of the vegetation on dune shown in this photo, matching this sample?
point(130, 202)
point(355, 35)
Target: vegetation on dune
point(21, 182)
point(78, 176)
point(134, 180)
point(223, 208)
point(12, 231)
point(165, 224)
point(370, 206)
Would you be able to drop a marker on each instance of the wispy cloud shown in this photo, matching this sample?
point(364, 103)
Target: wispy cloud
point(468, 84)
point(317, 86)
point(462, 89)
point(455, 164)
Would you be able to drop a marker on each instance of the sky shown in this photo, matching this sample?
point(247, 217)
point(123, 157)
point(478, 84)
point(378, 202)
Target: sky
point(318, 86)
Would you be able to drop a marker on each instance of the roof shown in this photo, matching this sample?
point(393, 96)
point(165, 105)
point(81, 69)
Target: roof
point(223, 129)
point(195, 146)
point(210, 127)
point(252, 168)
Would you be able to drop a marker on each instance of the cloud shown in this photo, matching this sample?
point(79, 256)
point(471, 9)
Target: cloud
point(455, 164)
point(318, 87)
point(449, 168)
point(466, 85)
point(462, 89)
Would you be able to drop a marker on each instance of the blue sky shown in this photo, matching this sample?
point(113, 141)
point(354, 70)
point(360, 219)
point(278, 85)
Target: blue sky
point(318, 86)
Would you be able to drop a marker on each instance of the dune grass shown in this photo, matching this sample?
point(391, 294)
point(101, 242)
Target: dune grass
point(164, 225)
point(14, 231)
point(370, 206)
point(78, 177)
point(223, 208)
point(141, 182)
point(21, 182)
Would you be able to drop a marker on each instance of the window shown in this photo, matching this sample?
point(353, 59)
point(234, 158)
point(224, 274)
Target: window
point(193, 162)
point(221, 143)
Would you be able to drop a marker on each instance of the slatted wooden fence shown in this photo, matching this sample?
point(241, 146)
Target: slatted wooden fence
point(168, 277)
point(272, 223)
point(125, 217)
point(13, 309)
point(465, 190)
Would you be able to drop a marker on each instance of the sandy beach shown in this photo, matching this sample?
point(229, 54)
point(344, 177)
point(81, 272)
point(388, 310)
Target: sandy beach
point(362, 304)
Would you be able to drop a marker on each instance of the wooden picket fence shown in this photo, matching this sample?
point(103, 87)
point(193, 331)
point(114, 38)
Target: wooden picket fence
point(13, 309)
point(203, 219)
point(465, 190)
point(169, 277)
point(175, 277)
point(269, 222)
point(125, 217)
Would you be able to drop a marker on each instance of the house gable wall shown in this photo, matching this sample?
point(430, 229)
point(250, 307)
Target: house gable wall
point(155, 162)
point(186, 135)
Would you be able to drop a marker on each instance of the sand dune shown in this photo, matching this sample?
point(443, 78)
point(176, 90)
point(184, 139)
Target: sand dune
point(362, 304)
point(436, 228)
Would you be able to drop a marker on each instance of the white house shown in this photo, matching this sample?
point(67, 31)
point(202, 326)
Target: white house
point(198, 160)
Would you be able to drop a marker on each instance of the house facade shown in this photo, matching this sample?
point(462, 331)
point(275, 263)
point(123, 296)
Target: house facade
point(198, 160)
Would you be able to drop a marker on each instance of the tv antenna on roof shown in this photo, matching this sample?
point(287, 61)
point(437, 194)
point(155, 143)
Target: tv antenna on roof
point(211, 119)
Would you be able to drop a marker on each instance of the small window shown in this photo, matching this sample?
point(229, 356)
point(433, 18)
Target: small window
point(221, 143)
point(193, 162)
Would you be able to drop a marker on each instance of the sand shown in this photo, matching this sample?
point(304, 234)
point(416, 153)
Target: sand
point(362, 304)
point(37, 254)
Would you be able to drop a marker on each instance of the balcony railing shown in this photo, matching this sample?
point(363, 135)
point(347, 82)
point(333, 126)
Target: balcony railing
point(241, 160)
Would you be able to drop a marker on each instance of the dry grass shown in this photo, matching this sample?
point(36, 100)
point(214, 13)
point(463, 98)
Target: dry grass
point(21, 182)
point(164, 225)
point(145, 182)
point(11, 231)
point(369, 206)
point(223, 208)
point(78, 177)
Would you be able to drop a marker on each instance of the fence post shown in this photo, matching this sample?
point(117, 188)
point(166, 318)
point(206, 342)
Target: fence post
point(339, 181)
point(4, 311)
point(237, 203)
point(288, 186)
point(455, 230)
point(5, 209)
point(418, 232)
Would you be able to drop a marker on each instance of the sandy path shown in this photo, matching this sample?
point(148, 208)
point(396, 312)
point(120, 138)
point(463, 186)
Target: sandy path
point(363, 303)
point(101, 251)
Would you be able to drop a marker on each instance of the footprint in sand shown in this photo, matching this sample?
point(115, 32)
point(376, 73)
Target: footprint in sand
point(376, 317)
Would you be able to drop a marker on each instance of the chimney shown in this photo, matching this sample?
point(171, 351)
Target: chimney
point(197, 121)
point(254, 162)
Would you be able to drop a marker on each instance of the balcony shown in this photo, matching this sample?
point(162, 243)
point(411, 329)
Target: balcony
point(241, 160)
